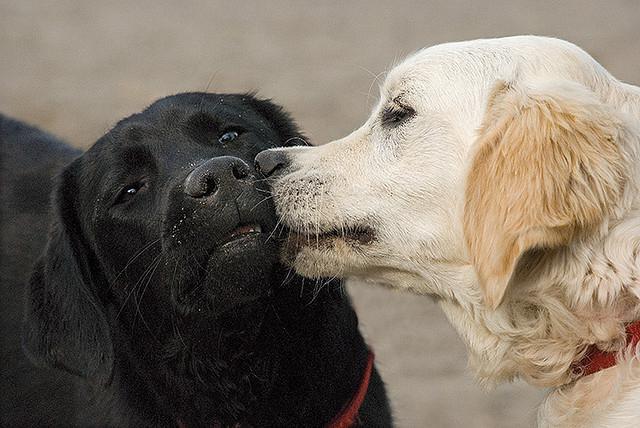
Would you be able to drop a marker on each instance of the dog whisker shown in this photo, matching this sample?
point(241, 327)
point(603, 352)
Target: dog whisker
point(135, 285)
point(297, 138)
point(274, 230)
point(287, 278)
point(206, 89)
point(139, 300)
point(262, 201)
point(135, 256)
point(373, 82)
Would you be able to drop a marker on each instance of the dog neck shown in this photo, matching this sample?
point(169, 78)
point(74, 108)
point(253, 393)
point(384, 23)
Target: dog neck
point(272, 364)
point(559, 304)
point(610, 397)
point(596, 360)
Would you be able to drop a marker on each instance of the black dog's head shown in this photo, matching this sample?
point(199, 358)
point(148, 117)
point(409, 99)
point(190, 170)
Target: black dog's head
point(164, 214)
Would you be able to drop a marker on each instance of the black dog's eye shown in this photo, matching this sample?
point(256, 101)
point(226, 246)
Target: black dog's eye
point(228, 137)
point(395, 115)
point(129, 192)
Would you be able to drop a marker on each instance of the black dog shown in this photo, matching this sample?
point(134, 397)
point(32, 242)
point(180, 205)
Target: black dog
point(161, 286)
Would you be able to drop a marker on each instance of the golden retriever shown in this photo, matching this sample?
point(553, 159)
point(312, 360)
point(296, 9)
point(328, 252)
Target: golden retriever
point(501, 177)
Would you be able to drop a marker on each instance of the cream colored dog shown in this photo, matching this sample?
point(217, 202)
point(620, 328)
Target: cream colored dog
point(502, 177)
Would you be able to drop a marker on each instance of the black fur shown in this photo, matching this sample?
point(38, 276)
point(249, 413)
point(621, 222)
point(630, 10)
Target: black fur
point(145, 299)
point(28, 160)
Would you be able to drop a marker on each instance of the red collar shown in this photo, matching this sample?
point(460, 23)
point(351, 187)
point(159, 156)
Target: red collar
point(348, 416)
point(596, 360)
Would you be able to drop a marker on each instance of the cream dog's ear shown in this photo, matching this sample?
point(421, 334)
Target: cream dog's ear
point(547, 168)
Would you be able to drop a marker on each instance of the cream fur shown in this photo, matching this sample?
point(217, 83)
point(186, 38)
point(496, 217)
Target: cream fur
point(511, 195)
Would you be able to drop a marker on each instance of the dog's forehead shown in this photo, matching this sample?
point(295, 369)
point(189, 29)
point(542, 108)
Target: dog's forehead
point(216, 109)
point(174, 116)
point(479, 64)
point(180, 126)
point(431, 81)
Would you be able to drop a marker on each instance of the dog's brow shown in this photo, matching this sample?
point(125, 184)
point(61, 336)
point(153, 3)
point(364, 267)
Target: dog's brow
point(401, 99)
point(397, 98)
point(136, 156)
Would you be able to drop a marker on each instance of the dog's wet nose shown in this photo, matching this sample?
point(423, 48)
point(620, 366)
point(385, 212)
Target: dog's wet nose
point(270, 161)
point(213, 174)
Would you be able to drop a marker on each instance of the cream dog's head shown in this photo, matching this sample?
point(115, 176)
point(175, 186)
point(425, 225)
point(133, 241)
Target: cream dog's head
point(479, 158)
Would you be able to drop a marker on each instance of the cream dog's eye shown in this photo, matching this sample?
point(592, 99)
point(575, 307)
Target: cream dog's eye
point(395, 115)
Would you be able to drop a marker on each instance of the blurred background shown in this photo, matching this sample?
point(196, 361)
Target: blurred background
point(74, 67)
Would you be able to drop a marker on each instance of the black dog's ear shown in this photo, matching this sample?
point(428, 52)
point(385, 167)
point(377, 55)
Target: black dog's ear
point(280, 119)
point(65, 323)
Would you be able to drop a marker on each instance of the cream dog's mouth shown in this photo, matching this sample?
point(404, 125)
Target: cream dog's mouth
point(355, 236)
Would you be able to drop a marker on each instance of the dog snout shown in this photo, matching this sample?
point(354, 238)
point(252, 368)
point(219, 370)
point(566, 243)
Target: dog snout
point(269, 162)
point(215, 173)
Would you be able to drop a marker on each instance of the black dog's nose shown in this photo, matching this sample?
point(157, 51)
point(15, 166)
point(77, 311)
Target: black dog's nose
point(269, 161)
point(213, 174)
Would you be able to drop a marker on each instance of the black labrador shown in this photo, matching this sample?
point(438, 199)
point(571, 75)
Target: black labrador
point(160, 286)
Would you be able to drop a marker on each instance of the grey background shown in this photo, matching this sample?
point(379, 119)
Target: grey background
point(75, 67)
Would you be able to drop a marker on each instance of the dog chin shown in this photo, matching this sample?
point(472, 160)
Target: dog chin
point(329, 253)
point(235, 275)
point(321, 258)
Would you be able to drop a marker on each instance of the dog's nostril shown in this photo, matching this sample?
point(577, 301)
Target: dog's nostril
point(270, 161)
point(217, 173)
point(240, 171)
point(200, 185)
point(210, 186)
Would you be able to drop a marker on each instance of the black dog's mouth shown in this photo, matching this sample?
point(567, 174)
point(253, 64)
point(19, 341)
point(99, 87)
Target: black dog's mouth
point(233, 272)
point(242, 232)
point(357, 235)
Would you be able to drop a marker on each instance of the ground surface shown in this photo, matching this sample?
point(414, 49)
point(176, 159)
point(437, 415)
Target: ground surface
point(75, 67)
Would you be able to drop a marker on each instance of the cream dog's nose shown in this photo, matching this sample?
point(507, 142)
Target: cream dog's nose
point(270, 161)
